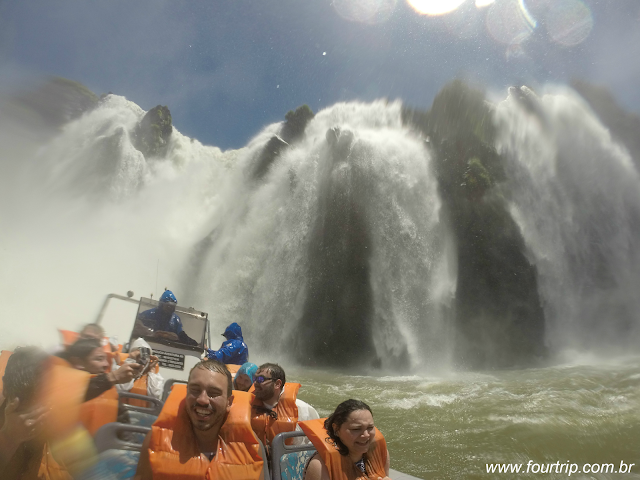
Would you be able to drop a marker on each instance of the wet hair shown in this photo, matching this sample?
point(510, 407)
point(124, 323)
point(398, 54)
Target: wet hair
point(338, 417)
point(81, 349)
point(215, 366)
point(276, 372)
point(93, 326)
point(23, 372)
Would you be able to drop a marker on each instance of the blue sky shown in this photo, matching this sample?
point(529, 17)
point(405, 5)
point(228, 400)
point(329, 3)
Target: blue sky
point(227, 68)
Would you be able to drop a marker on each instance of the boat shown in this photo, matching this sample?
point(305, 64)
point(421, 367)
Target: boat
point(119, 454)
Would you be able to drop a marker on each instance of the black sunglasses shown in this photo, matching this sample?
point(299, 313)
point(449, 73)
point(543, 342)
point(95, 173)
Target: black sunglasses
point(262, 379)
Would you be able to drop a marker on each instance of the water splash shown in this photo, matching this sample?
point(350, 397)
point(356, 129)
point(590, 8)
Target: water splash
point(576, 196)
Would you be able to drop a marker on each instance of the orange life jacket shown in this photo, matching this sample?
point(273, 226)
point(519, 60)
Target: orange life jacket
point(99, 411)
point(50, 469)
point(265, 425)
point(64, 388)
point(233, 368)
point(341, 467)
point(39, 467)
point(174, 451)
point(120, 357)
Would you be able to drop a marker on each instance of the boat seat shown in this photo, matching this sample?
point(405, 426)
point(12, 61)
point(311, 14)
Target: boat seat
point(167, 387)
point(289, 461)
point(117, 457)
point(154, 408)
point(108, 437)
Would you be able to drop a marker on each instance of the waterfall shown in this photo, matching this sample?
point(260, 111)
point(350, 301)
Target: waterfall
point(335, 249)
point(575, 193)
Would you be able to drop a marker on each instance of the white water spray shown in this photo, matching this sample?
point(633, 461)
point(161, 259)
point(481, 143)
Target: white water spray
point(99, 216)
point(576, 196)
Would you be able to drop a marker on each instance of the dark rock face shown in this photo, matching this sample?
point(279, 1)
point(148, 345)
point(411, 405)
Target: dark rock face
point(335, 328)
point(624, 126)
point(292, 131)
point(268, 154)
point(499, 317)
point(56, 102)
point(295, 123)
point(151, 136)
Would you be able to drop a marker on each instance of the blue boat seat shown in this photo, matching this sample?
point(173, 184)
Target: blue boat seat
point(289, 461)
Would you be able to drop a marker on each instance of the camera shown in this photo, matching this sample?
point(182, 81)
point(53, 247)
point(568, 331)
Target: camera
point(145, 356)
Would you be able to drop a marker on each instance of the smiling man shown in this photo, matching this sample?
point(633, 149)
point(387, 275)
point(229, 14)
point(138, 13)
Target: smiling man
point(202, 430)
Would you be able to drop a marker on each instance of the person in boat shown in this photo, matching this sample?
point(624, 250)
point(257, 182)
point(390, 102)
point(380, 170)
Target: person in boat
point(163, 322)
point(348, 445)
point(233, 350)
point(37, 418)
point(203, 431)
point(276, 407)
point(21, 417)
point(244, 377)
point(147, 382)
point(88, 355)
point(92, 330)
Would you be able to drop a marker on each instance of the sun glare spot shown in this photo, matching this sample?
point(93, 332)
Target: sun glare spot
point(435, 7)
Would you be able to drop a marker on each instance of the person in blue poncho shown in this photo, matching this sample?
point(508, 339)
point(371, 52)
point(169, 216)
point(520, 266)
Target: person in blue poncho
point(233, 350)
point(163, 322)
point(245, 376)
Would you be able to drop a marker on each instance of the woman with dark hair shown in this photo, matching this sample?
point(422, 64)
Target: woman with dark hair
point(349, 445)
point(87, 354)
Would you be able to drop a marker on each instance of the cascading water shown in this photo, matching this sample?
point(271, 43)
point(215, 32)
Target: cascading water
point(336, 253)
point(330, 250)
point(333, 253)
point(575, 194)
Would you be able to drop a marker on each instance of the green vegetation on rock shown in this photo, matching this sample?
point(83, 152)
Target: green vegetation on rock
point(499, 319)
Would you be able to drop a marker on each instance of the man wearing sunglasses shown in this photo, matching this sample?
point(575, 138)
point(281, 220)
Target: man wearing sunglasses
point(276, 407)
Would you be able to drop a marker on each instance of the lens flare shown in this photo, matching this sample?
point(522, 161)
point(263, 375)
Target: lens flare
point(569, 22)
point(365, 11)
point(510, 22)
point(435, 7)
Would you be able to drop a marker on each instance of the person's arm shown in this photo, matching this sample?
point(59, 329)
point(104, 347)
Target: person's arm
point(387, 464)
point(226, 353)
point(144, 466)
point(316, 469)
point(104, 381)
point(143, 327)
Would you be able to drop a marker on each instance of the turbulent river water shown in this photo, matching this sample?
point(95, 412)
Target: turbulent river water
point(453, 426)
point(87, 215)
